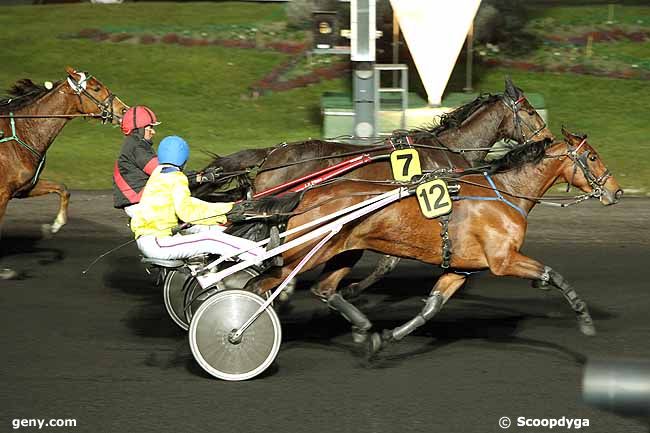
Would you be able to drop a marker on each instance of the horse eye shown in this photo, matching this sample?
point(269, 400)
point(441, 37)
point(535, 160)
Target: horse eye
point(593, 158)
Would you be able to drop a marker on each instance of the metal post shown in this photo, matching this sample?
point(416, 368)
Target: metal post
point(470, 59)
point(405, 95)
point(395, 47)
point(363, 28)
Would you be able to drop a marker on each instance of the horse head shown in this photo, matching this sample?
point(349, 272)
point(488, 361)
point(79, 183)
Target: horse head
point(524, 124)
point(94, 97)
point(584, 169)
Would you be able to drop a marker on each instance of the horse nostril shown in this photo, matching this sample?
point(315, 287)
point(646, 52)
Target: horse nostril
point(618, 194)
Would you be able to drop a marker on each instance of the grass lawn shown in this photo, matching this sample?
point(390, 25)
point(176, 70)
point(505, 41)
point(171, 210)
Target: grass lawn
point(200, 93)
point(590, 15)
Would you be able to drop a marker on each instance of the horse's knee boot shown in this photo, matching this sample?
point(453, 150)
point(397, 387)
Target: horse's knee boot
point(431, 307)
point(359, 321)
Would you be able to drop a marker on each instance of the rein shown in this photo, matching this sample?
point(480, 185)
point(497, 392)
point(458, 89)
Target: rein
point(514, 107)
point(321, 158)
point(579, 161)
point(46, 116)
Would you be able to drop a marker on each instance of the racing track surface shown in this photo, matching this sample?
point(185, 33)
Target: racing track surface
point(101, 349)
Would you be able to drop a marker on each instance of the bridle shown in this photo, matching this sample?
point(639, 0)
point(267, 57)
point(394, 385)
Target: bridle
point(518, 121)
point(106, 106)
point(596, 183)
point(79, 87)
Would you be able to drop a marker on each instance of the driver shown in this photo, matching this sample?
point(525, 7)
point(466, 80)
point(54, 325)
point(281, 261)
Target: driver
point(166, 201)
point(138, 160)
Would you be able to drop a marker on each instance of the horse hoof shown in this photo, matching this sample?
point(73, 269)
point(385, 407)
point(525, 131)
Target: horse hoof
point(350, 292)
point(542, 285)
point(8, 274)
point(283, 297)
point(46, 230)
point(587, 328)
point(374, 344)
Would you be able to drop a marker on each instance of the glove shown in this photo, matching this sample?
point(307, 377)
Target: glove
point(209, 175)
point(239, 212)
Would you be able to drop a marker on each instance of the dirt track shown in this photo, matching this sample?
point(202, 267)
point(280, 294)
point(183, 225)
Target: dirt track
point(102, 350)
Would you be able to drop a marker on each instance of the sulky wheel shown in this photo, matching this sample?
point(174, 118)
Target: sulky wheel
point(213, 324)
point(180, 288)
point(174, 293)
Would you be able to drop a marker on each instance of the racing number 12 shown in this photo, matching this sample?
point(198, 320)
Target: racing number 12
point(434, 192)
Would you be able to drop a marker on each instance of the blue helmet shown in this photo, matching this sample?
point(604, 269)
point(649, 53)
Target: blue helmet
point(173, 150)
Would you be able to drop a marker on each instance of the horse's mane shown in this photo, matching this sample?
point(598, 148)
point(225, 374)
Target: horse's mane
point(240, 160)
point(532, 152)
point(21, 94)
point(456, 117)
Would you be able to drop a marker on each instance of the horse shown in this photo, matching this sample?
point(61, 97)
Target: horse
point(462, 139)
point(30, 120)
point(486, 230)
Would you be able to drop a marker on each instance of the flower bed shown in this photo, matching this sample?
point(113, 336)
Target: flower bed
point(618, 50)
point(297, 71)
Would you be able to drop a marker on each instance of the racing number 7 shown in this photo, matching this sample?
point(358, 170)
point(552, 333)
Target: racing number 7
point(408, 157)
point(405, 164)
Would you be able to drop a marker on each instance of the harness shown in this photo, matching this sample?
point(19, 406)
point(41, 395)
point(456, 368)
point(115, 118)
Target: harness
point(14, 137)
point(498, 197)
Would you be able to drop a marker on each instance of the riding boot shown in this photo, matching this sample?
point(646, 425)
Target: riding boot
point(274, 242)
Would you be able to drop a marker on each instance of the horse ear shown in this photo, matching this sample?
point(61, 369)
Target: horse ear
point(70, 70)
point(514, 92)
point(511, 90)
point(567, 134)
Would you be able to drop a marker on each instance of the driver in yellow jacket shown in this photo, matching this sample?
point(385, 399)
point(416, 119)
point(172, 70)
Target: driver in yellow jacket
point(166, 200)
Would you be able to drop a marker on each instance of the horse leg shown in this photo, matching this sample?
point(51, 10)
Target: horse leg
point(518, 265)
point(444, 289)
point(385, 265)
point(337, 268)
point(43, 187)
point(585, 321)
point(327, 282)
point(5, 273)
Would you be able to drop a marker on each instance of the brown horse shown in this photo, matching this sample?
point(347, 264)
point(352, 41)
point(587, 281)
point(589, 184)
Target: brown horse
point(486, 232)
point(31, 119)
point(461, 140)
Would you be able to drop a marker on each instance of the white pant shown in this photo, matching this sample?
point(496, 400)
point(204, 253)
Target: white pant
point(203, 239)
point(130, 210)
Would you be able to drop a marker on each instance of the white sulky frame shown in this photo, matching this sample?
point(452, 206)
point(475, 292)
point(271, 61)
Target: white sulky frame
point(337, 221)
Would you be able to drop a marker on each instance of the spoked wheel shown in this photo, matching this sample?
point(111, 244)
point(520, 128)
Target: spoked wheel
point(174, 294)
point(181, 288)
point(211, 329)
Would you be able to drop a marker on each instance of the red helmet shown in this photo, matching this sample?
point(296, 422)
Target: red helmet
point(138, 117)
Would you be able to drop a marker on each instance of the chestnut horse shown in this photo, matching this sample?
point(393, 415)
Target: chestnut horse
point(486, 229)
point(31, 119)
point(462, 139)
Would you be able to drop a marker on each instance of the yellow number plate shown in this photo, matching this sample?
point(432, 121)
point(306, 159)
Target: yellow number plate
point(405, 164)
point(434, 198)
